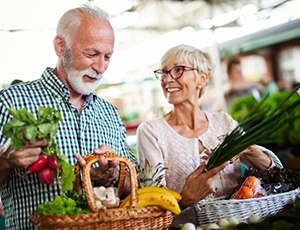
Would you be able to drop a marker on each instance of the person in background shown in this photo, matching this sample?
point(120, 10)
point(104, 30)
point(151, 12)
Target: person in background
point(183, 138)
point(269, 86)
point(84, 44)
point(237, 85)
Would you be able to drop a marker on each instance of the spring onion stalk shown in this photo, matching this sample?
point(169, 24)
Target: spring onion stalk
point(248, 132)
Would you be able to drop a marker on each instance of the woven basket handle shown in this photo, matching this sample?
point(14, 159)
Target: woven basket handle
point(93, 158)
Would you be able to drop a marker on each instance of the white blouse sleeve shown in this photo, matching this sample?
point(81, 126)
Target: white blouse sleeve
point(148, 148)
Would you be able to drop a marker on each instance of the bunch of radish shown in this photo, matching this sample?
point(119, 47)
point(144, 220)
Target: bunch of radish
point(46, 167)
point(43, 125)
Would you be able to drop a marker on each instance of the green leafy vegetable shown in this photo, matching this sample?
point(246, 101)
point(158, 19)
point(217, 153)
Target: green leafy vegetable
point(63, 205)
point(24, 127)
point(248, 132)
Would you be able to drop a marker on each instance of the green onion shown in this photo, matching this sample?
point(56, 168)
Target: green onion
point(248, 132)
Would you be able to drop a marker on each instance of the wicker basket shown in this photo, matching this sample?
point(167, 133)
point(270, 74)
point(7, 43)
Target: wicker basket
point(131, 217)
point(210, 211)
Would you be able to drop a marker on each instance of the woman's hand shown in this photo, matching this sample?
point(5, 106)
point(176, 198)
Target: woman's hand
point(256, 157)
point(199, 184)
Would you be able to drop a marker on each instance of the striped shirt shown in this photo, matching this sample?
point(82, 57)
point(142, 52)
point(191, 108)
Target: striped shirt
point(98, 124)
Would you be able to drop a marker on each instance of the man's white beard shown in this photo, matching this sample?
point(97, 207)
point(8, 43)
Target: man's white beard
point(75, 77)
point(76, 81)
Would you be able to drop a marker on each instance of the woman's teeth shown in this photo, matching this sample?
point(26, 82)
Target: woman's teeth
point(173, 89)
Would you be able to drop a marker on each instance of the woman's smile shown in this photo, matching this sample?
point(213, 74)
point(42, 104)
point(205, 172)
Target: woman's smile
point(171, 90)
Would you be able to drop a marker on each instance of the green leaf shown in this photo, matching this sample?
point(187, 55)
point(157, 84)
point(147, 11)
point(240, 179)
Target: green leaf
point(31, 133)
point(44, 130)
point(17, 141)
point(67, 177)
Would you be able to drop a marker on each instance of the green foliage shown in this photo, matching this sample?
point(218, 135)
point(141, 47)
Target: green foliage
point(61, 205)
point(242, 107)
point(24, 122)
point(81, 201)
point(24, 127)
point(285, 136)
point(257, 128)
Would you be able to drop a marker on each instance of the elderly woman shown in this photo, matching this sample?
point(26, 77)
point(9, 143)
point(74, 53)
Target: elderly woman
point(182, 139)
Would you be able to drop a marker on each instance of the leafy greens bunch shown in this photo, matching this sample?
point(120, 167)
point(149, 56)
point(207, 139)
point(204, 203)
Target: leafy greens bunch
point(24, 127)
point(248, 132)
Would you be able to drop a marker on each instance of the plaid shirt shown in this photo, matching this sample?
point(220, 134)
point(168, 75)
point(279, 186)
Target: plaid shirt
point(98, 124)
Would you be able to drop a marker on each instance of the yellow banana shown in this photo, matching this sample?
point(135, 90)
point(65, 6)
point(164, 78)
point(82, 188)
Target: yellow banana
point(153, 189)
point(161, 198)
point(159, 189)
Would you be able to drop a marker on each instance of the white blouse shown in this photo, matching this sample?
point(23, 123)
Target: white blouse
point(158, 142)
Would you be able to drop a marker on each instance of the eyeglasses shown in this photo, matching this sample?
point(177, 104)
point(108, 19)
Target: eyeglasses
point(175, 72)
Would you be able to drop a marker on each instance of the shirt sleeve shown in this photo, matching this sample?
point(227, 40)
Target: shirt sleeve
point(148, 148)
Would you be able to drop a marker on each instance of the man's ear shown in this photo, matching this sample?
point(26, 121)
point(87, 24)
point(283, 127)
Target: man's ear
point(59, 45)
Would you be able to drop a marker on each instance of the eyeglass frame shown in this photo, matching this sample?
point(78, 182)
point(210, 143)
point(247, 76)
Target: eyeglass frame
point(166, 72)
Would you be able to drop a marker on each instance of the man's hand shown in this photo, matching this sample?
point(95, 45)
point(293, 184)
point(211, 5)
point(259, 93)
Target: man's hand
point(107, 173)
point(24, 157)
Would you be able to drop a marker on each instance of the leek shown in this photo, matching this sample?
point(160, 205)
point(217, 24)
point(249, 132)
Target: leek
point(248, 132)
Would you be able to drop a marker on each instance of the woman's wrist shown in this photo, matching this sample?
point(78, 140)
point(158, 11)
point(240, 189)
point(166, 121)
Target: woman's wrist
point(257, 158)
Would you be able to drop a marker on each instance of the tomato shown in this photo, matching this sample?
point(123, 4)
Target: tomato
point(244, 193)
point(251, 182)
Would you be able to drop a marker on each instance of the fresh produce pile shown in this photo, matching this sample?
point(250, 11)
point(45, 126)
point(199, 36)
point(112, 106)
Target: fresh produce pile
point(250, 132)
point(24, 127)
point(288, 178)
point(250, 188)
point(150, 193)
point(258, 182)
point(70, 203)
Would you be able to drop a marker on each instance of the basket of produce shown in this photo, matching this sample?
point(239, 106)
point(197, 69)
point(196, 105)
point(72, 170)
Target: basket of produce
point(248, 132)
point(261, 194)
point(147, 208)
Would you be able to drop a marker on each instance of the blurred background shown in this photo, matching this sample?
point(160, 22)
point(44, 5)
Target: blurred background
point(264, 35)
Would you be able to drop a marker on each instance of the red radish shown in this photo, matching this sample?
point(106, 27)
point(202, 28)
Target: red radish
point(38, 165)
point(46, 175)
point(51, 162)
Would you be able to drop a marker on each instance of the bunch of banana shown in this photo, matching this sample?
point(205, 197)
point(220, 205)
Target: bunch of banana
point(156, 196)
